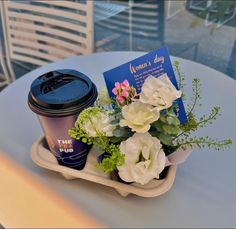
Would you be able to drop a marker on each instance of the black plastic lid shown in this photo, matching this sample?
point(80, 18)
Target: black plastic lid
point(61, 93)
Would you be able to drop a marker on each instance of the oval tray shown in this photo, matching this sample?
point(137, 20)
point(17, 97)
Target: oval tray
point(41, 155)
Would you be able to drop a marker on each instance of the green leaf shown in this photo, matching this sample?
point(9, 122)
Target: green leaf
point(123, 132)
point(154, 133)
point(158, 125)
point(191, 124)
point(107, 165)
point(172, 130)
point(114, 159)
point(173, 120)
point(116, 139)
point(84, 140)
point(165, 139)
point(163, 118)
point(118, 132)
point(120, 160)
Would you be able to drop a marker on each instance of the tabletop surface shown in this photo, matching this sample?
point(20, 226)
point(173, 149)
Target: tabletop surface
point(204, 191)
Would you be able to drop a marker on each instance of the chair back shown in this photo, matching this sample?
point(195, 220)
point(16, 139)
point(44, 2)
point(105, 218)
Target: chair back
point(39, 32)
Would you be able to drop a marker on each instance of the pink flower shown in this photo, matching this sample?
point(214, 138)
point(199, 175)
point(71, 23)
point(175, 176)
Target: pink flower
point(125, 94)
point(120, 99)
point(125, 85)
point(114, 91)
point(117, 85)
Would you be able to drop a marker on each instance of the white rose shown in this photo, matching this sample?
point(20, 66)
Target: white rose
point(159, 92)
point(138, 116)
point(99, 123)
point(144, 158)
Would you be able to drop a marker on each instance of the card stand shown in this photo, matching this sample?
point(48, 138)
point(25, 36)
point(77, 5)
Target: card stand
point(41, 155)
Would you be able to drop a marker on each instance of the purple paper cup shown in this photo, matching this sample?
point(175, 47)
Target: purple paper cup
point(57, 98)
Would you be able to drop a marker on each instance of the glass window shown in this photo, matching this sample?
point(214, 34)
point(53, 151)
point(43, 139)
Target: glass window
point(202, 31)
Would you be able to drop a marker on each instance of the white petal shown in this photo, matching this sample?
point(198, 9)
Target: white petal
point(161, 161)
point(145, 152)
point(153, 161)
point(159, 92)
point(140, 129)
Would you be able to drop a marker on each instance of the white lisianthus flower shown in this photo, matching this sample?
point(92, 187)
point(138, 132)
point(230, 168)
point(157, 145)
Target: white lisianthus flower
point(144, 158)
point(138, 116)
point(159, 92)
point(95, 120)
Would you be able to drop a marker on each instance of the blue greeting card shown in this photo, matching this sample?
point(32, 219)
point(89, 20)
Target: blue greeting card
point(136, 71)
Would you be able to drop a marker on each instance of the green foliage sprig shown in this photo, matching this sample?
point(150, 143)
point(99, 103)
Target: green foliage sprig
point(104, 144)
point(78, 134)
point(203, 142)
point(184, 138)
point(181, 76)
point(115, 159)
point(196, 96)
point(193, 124)
point(168, 129)
point(101, 141)
point(174, 135)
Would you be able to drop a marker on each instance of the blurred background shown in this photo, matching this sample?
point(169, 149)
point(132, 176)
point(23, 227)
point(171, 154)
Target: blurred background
point(200, 30)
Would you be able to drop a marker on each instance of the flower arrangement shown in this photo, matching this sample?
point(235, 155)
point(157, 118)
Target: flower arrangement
point(137, 133)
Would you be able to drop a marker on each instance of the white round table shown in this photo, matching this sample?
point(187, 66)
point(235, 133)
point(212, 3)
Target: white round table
point(204, 191)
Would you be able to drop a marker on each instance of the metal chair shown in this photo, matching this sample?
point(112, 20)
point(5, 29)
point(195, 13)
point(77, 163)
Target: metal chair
point(39, 32)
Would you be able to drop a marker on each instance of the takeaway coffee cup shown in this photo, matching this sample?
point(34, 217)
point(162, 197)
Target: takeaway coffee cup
point(57, 98)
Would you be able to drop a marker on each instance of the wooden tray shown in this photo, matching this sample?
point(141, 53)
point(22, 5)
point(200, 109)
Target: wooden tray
point(41, 155)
